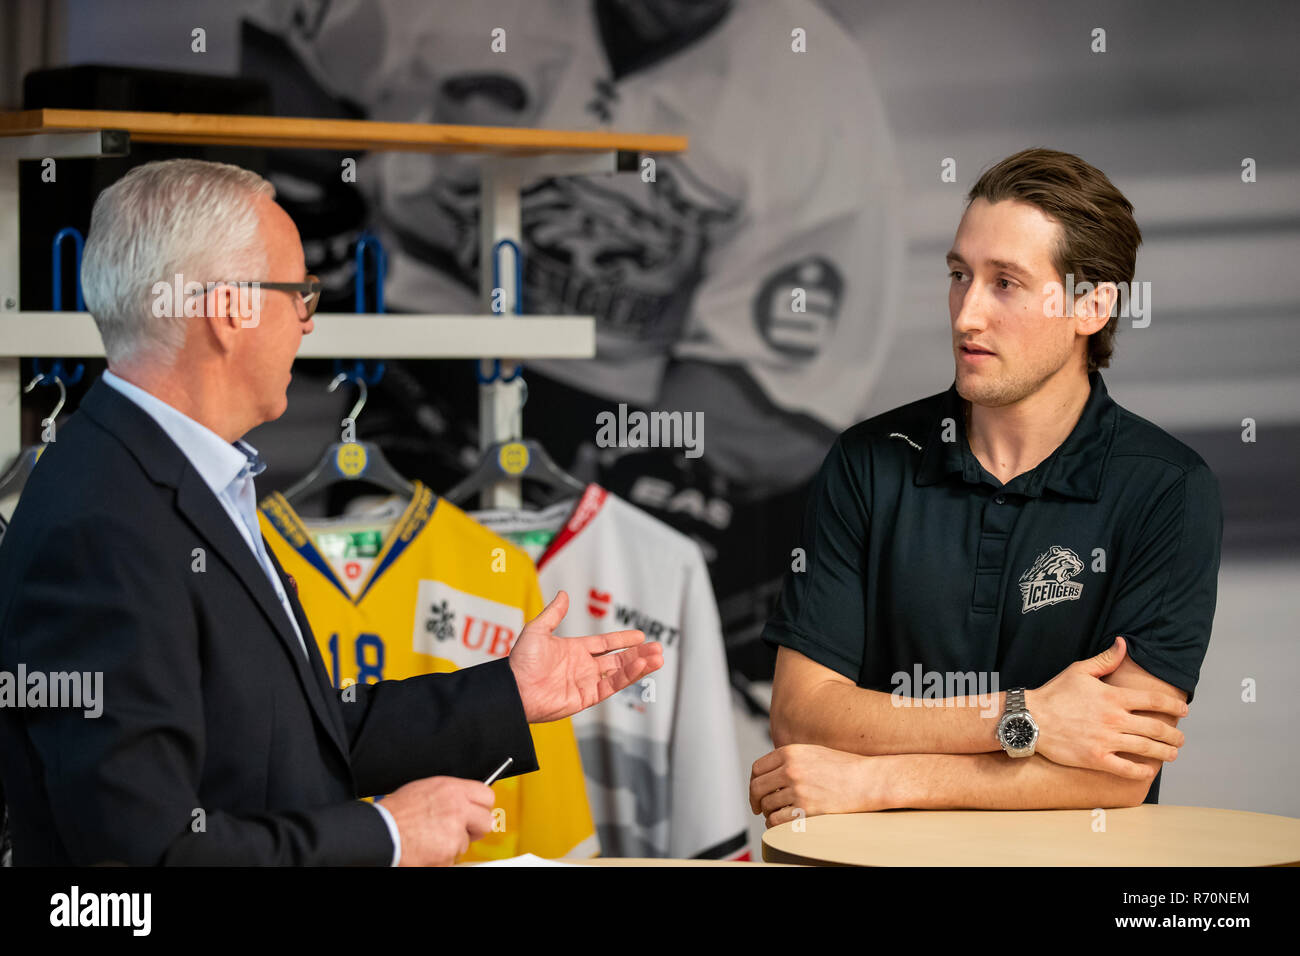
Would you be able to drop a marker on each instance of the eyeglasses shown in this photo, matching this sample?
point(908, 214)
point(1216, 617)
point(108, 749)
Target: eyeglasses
point(308, 291)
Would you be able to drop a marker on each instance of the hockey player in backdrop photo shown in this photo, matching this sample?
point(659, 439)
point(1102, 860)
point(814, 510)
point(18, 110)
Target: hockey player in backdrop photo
point(1020, 526)
point(135, 553)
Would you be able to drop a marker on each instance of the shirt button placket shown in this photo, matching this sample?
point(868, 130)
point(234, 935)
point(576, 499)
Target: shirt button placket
point(995, 529)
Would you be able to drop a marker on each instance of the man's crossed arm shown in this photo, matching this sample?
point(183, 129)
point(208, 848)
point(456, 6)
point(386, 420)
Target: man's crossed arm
point(1105, 727)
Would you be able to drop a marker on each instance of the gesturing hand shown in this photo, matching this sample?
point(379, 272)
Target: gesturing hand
point(559, 676)
point(1086, 722)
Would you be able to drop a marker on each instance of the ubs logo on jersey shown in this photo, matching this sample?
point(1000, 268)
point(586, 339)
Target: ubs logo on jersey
point(463, 628)
point(1048, 579)
point(441, 622)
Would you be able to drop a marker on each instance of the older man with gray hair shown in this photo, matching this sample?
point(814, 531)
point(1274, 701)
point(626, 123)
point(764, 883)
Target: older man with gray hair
point(135, 553)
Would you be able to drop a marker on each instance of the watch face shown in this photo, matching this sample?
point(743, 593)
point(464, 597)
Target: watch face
point(1017, 733)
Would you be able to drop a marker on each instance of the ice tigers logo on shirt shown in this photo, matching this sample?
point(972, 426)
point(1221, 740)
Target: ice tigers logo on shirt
point(1048, 579)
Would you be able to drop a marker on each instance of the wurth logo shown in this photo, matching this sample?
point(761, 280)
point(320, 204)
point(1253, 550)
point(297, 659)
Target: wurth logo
point(597, 603)
point(654, 630)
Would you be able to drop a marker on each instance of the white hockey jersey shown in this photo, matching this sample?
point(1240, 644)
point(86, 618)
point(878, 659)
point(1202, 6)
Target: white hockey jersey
point(775, 242)
point(660, 757)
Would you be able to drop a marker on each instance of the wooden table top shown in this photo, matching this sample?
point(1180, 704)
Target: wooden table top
point(1147, 835)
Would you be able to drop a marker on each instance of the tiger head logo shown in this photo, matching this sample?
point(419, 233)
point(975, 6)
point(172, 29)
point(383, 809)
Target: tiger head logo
point(1047, 581)
point(1058, 563)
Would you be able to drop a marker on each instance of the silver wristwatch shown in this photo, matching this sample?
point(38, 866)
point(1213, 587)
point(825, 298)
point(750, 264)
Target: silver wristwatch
point(1017, 731)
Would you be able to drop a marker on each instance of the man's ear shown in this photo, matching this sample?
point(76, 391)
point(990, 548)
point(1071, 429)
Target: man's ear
point(1093, 309)
point(228, 307)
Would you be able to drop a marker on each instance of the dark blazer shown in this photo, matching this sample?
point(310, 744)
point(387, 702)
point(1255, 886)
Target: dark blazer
point(218, 742)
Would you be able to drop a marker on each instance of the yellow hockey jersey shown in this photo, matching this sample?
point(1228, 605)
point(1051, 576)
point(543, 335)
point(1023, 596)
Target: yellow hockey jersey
point(418, 587)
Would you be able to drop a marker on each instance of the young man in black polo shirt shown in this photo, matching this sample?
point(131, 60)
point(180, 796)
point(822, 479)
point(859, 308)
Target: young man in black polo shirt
point(1020, 528)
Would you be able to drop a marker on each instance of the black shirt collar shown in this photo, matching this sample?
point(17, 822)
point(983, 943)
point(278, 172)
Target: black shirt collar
point(1075, 469)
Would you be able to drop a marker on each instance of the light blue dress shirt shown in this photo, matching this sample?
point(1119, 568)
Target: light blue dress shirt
point(228, 469)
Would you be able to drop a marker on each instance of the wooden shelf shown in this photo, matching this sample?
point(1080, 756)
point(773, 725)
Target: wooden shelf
point(308, 133)
point(511, 156)
point(336, 334)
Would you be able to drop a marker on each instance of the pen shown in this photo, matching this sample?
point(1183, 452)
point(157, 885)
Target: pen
point(499, 771)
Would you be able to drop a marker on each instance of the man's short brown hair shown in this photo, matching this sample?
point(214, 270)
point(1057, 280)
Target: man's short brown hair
point(1099, 238)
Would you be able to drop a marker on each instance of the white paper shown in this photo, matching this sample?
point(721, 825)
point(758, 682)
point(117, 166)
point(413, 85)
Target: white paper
point(528, 859)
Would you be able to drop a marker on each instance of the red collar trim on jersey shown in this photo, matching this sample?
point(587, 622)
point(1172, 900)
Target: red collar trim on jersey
point(588, 506)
